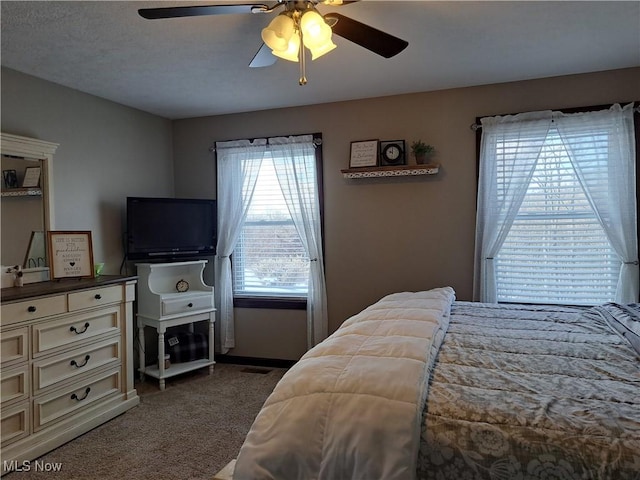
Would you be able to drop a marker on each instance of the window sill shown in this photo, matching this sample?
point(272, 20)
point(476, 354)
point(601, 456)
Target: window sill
point(282, 303)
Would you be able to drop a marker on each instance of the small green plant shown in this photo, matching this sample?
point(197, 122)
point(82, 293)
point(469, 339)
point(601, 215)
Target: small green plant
point(422, 151)
point(419, 148)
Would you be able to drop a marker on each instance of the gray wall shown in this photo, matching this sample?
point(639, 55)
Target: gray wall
point(381, 236)
point(386, 235)
point(107, 152)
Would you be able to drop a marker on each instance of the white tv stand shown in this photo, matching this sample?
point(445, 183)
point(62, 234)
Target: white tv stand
point(161, 306)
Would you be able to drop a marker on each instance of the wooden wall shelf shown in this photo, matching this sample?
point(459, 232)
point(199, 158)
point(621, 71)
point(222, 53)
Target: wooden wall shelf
point(392, 171)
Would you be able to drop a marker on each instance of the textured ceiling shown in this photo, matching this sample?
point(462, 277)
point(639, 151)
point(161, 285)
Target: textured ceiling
point(197, 66)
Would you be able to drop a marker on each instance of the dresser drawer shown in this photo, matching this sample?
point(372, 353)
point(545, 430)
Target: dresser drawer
point(63, 403)
point(66, 366)
point(76, 329)
point(14, 384)
point(15, 423)
point(14, 346)
point(186, 304)
point(33, 309)
point(95, 297)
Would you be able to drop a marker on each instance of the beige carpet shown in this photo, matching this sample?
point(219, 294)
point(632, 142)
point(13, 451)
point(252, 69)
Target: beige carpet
point(189, 431)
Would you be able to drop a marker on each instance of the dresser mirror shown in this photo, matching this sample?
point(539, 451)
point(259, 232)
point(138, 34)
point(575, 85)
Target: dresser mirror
point(25, 208)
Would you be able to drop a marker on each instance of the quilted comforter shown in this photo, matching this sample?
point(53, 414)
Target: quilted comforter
point(351, 407)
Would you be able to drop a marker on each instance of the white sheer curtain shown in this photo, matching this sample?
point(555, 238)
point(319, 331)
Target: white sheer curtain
point(509, 151)
point(238, 164)
point(295, 165)
point(601, 147)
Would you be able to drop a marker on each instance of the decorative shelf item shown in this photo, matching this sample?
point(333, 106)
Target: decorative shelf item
point(22, 192)
point(393, 171)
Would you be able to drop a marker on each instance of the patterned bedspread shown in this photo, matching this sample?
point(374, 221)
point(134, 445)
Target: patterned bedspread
point(523, 393)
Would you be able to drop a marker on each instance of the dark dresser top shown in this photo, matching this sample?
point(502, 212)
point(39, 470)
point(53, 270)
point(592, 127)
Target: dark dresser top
point(52, 287)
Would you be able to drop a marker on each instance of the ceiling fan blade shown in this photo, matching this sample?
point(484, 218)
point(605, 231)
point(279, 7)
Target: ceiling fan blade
point(368, 37)
point(263, 58)
point(196, 11)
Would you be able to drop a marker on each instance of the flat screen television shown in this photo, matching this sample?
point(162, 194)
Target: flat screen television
point(167, 228)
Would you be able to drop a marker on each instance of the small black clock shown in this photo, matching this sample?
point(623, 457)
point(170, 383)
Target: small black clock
point(392, 152)
point(182, 285)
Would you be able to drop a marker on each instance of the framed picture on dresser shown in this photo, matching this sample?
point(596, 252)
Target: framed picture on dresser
point(71, 254)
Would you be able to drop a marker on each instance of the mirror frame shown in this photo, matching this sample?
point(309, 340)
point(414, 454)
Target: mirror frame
point(34, 149)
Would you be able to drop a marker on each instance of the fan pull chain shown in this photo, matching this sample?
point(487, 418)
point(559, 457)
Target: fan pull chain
point(301, 62)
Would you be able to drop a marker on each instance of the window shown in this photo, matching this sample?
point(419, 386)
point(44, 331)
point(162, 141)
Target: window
point(557, 218)
point(556, 250)
point(270, 265)
point(268, 255)
point(269, 258)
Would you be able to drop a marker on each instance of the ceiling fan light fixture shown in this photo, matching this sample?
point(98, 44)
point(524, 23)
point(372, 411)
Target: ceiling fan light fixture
point(278, 33)
point(300, 25)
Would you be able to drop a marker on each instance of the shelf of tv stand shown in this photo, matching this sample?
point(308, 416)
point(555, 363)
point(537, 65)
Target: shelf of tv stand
point(391, 171)
point(176, 368)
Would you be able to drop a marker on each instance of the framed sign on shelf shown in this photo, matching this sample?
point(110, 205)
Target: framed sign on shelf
point(71, 254)
point(364, 153)
point(10, 178)
point(31, 177)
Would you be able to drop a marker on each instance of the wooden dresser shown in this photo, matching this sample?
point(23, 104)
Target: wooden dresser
point(67, 362)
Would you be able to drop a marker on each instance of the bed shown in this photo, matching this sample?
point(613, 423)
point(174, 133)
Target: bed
point(421, 386)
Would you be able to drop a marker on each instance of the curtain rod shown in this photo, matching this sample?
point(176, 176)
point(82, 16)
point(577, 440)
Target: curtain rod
point(477, 126)
point(316, 143)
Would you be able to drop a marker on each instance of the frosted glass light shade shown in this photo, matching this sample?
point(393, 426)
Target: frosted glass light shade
point(317, 36)
point(318, 51)
point(312, 25)
point(278, 33)
point(291, 53)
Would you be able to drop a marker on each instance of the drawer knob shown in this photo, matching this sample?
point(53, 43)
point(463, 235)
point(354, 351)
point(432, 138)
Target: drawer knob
point(78, 332)
point(98, 296)
point(77, 365)
point(31, 309)
point(79, 399)
point(190, 305)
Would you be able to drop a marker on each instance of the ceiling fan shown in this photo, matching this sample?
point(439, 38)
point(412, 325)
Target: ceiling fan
point(298, 25)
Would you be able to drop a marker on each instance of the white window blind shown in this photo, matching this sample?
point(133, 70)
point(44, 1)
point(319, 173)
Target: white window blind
point(269, 258)
point(556, 250)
